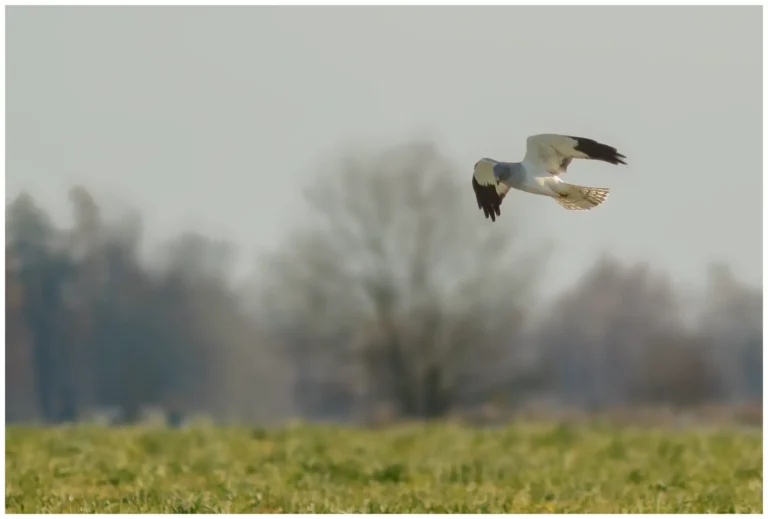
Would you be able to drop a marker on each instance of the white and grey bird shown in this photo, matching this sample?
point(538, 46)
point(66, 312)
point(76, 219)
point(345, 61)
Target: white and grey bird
point(547, 156)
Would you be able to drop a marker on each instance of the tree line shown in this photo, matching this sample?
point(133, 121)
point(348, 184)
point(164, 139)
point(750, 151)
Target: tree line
point(395, 293)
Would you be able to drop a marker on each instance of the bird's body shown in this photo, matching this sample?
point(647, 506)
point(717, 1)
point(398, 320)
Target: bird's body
point(546, 158)
point(517, 176)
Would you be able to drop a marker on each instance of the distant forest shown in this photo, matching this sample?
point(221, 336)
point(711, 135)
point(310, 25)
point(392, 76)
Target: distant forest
point(395, 294)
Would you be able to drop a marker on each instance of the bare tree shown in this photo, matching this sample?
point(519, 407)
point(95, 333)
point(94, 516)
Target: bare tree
point(42, 270)
point(597, 332)
point(674, 370)
point(733, 321)
point(399, 287)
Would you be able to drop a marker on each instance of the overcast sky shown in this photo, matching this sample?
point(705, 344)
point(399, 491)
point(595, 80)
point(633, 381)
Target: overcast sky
point(207, 118)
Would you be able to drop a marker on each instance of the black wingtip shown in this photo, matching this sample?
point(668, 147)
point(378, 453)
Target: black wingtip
point(488, 199)
point(598, 151)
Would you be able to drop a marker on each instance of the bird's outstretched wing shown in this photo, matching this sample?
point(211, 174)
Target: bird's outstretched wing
point(489, 190)
point(553, 153)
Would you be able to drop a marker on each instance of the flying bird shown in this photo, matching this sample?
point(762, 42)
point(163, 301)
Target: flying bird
point(547, 156)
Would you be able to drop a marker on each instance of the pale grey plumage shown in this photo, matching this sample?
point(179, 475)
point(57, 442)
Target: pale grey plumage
point(547, 157)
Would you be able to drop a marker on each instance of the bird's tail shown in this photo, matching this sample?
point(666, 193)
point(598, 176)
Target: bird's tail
point(580, 198)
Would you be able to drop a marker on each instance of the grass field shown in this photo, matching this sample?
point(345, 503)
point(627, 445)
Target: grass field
point(415, 468)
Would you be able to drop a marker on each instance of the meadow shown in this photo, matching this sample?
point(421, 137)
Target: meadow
point(409, 468)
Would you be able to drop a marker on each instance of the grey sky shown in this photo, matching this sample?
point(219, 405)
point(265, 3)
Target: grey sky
point(213, 118)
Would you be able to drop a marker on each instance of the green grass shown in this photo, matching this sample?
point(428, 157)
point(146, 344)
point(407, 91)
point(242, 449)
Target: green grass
point(415, 468)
